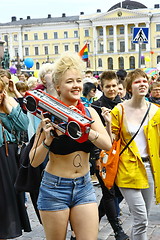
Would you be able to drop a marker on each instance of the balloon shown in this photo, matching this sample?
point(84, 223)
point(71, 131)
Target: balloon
point(147, 59)
point(13, 69)
point(36, 73)
point(29, 62)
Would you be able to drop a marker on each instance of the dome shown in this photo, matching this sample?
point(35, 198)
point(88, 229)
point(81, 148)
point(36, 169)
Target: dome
point(128, 5)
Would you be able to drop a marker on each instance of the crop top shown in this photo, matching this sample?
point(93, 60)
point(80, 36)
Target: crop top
point(64, 145)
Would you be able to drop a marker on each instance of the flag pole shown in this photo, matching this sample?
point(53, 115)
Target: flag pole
point(88, 57)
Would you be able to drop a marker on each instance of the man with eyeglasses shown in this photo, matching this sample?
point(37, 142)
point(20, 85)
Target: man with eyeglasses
point(155, 93)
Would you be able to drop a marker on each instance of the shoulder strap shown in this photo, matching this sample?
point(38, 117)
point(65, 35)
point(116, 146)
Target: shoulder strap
point(87, 112)
point(137, 130)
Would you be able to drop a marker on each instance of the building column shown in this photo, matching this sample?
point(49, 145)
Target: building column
point(148, 45)
point(11, 52)
point(126, 37)
point(115, 38)
point(20, 45)
point(95, 48)
point(137, 44)
point(94, 40)
point(104, 40)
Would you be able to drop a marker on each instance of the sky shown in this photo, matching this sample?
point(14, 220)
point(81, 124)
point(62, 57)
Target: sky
point(41, 8)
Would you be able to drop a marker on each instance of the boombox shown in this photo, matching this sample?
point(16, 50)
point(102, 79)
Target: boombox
point(68, 121)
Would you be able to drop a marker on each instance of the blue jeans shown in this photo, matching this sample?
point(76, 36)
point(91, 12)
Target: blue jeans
point(57, 193)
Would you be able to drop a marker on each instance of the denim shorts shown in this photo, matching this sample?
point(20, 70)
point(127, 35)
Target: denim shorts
point(57, 193)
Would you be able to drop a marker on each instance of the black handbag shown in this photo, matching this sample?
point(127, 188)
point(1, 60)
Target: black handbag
point(28, 178)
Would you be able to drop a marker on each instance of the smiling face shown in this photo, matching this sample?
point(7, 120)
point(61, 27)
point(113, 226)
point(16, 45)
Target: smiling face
point(70, 87)
point(140, 86)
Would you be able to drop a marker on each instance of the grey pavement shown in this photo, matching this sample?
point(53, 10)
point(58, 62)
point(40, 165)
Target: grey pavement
point(105, 230)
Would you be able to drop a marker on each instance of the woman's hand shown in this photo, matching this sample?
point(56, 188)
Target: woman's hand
point(7, 102)
point(47, 128)
point(12, 88)
point(106, 114)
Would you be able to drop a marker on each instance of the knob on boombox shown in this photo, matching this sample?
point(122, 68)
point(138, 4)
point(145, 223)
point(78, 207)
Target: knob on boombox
point(74, 130)
point(30, 104)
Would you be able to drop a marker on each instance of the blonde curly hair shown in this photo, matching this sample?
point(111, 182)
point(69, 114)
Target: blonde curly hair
point(66, 61)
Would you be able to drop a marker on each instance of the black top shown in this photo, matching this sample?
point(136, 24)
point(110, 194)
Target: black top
point(154, 100)
point(64, 144)
point(103, 101)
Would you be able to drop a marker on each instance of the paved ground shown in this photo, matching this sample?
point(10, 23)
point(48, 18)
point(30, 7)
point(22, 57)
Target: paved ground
point(105, 231)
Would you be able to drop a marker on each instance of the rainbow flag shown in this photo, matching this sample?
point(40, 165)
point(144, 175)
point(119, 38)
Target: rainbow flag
point(84, 53)
point(150, 71)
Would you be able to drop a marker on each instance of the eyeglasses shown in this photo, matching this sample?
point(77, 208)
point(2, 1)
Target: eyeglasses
point(156, 89)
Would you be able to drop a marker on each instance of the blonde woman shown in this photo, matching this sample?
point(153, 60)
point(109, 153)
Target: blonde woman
point(66, 192)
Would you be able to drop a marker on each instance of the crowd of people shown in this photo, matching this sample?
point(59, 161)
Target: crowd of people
point(66, 193)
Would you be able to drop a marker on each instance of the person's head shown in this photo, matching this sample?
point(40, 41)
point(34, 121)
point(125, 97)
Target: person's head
point(32, 82)
point(67, 77)
point(5, 76)
point(26, 75)
point(22, 87)
point(121, 89)
point(121, 74)
point(137, 80)
point(88, 74)
point(89, 90)
point(45, 73)
point(155, 89)
point(109, 84)
point(2, 88)
point(22, 77)
point(86, 80)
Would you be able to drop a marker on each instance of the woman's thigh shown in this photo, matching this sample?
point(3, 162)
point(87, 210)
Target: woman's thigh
point(84, 220)
point(55, 224)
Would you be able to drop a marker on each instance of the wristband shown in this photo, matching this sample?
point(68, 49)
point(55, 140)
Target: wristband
point(45, 145)
point(96, 137)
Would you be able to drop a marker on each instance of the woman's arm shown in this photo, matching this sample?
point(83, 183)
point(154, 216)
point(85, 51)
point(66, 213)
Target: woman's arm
point(98, 134)
point(42, 142)
point(8, 103)
point(12, 88)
